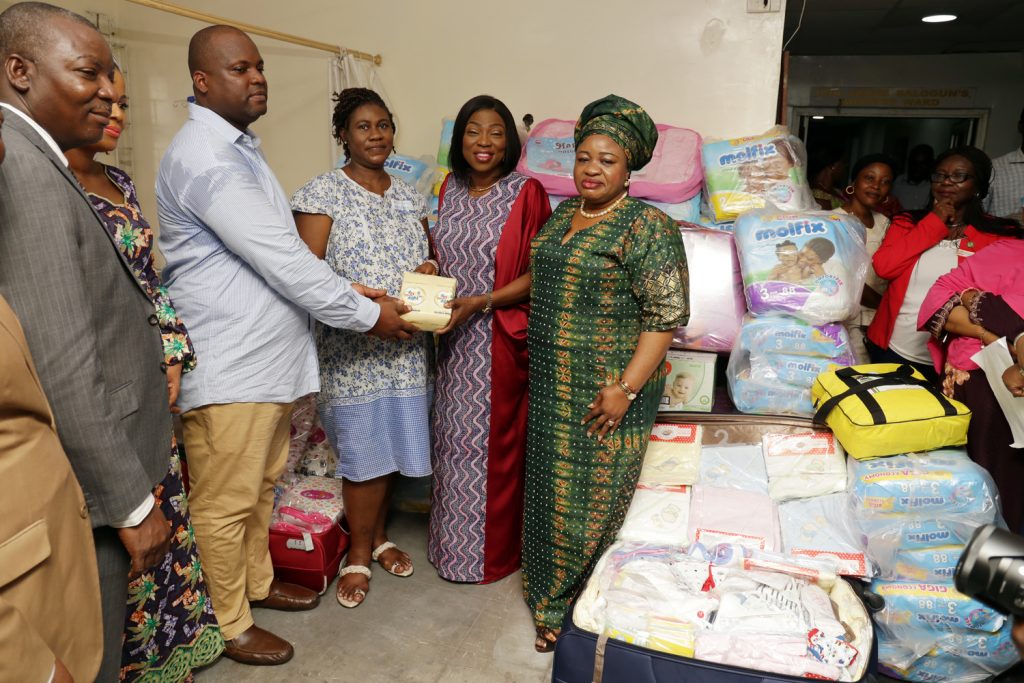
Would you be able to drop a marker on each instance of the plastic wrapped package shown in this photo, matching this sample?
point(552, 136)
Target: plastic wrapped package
point(673, 175)
point(734, 467)
point(673, 455)
point(783, 334)
point(927, 565)
point(308, 503)
point(419, 173)
point(745, 518)
point(445, 144)
point(803, 465)
point(658, 515)
point(682, 212)
point(953, 655)
point(941, 483)
point(747, 173)
point(755, 395)
point(810, 265)
point(800, 371)
point(912, 607)
point(820, 527)
point(716, 315)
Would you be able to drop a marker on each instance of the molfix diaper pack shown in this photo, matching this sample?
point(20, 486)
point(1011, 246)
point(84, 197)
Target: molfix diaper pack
point(810, 265)
point(749, 173)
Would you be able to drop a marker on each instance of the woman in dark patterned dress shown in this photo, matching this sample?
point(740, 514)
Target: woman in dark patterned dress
point(488, 216)
point(170, 628)
point(609, 287)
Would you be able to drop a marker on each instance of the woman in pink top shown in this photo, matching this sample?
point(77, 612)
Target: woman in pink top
point(971, 306)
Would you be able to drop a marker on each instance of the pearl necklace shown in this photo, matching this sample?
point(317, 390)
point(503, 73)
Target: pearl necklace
point(603, 212)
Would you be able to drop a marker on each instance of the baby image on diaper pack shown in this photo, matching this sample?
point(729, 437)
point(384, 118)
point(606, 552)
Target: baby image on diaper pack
point(810, 265)
point(748, 173)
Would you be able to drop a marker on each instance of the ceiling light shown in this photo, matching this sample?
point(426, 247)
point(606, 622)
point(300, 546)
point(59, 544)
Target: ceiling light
point(818, 118)
point(938, 18)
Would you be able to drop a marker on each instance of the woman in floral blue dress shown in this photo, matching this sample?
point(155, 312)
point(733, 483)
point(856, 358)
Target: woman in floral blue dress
point(170, 628)
point(374, 394)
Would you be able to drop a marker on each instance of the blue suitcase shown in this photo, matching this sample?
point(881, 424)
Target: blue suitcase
point(626, 663)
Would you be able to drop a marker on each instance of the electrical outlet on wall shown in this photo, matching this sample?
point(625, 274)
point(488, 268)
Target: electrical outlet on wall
point(764, 6)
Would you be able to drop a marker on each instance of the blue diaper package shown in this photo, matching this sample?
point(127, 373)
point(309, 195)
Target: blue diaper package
point(797, 370)
point(956, 655)
point(927, 564)
point(751, 396)
point(940, 483)
point(686, 212)
point(912, 606)
point(937, 666)
point(809, 265)
point(785, 334)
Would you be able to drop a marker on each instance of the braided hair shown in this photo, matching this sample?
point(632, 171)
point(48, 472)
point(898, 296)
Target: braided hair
point(346, 102)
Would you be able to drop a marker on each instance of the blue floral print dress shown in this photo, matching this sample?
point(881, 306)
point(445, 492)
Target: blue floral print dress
point(374, 394)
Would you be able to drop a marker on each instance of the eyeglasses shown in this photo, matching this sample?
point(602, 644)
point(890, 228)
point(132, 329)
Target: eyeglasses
point(955, 178)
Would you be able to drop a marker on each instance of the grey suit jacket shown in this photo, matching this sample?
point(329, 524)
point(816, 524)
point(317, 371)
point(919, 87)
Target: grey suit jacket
point(90, 328)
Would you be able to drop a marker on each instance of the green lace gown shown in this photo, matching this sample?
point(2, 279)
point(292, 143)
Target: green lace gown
point(591, 299)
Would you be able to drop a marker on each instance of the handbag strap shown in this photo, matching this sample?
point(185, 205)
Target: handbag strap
point(902, 375)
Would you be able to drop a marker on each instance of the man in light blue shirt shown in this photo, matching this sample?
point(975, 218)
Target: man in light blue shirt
point(245, 284)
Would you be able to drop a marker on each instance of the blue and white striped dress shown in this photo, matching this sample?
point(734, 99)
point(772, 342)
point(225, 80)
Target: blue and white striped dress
point(374, 394)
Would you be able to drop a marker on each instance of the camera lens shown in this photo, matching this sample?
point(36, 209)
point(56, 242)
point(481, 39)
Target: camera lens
point(992, 569)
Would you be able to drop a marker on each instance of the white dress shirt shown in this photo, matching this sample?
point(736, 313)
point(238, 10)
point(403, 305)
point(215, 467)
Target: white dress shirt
point(241, 278)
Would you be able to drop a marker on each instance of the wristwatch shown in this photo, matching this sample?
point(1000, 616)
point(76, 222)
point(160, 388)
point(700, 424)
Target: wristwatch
point(627, 390)
point(488, 306)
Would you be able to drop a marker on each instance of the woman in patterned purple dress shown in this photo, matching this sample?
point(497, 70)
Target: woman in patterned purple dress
point(487, 217)
point(170, 628)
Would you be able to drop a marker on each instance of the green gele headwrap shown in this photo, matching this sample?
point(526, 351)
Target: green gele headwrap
point(624, 122)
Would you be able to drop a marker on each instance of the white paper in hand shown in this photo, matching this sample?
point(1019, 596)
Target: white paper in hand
point(994, 359)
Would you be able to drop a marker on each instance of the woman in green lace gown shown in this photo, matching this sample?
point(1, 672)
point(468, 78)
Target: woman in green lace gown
point(609, 288)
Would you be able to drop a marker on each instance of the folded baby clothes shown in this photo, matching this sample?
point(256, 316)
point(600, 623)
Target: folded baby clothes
point(735, 467)
point(673, 455)
point(777, 654)
point(658, 515)
point(820, 528)
point(726, 515)
point(803, 465)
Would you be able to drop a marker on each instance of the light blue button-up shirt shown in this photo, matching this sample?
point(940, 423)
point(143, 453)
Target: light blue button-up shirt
point(241, 279)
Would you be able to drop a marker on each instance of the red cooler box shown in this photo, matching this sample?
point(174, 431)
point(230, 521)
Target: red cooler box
point(306, 538)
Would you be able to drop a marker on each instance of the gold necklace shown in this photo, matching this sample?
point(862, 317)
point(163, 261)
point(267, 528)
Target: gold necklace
point(603, 212)
point(484, 189)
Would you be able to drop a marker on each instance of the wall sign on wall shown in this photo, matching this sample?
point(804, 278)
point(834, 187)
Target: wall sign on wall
point(938, 97)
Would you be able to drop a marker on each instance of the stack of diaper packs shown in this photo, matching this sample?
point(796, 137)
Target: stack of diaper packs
point(715, 315)
point(916, 512)
point(776, 359)
point(749, 173)
point(802, 273)
point(731, 605)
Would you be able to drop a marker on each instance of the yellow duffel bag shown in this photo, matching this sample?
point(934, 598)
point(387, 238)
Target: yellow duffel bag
point(887, 409)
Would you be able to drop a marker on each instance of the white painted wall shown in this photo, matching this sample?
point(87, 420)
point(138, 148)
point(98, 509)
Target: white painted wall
point(703, 64)
point(998, 79)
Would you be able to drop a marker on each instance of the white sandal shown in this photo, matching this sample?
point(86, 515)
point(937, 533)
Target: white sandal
point(354, 569)
point(383, 548)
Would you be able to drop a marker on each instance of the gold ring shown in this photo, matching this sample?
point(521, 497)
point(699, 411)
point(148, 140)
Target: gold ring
point(611, 422)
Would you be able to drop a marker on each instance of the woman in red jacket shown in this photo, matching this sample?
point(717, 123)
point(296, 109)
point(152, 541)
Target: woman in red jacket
point(922, 246)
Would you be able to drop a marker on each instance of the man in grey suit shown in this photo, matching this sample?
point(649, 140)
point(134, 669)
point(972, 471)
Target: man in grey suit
point(90, 326)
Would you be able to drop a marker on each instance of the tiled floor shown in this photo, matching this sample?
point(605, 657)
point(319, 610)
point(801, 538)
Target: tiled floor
point(420, 629)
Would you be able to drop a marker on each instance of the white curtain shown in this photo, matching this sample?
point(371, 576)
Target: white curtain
point(348, 71)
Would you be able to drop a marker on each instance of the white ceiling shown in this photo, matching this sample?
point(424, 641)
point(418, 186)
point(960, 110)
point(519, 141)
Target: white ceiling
point(894, 27)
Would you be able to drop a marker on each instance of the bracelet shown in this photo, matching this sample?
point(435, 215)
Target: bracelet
point(629, 391)
point(488, 306)
point(437, 266)
point(1017, 339)
point(960, 296)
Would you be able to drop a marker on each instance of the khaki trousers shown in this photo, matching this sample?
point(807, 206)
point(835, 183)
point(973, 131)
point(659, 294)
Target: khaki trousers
point(235, 453)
